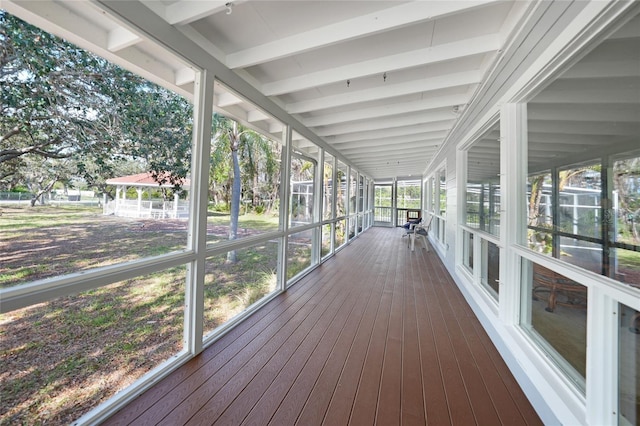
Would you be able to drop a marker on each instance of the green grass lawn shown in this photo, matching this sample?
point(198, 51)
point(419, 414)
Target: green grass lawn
point(63, 357)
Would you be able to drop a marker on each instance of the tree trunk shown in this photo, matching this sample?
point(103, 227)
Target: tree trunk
point(235, 192)
point(38, 195)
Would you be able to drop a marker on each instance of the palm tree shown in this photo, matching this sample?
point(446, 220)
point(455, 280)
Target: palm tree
point(237, 144)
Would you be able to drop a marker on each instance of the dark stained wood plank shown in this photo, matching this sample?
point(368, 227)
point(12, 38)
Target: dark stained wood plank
point(331, 351)
point(339, 410)
point(458, 404)
point(327, 383)
point(366, 399)
point(389, 394)
point(412, 393)
point(194, 391)
point(502, 375)
point(376, 335)
point(245, 362)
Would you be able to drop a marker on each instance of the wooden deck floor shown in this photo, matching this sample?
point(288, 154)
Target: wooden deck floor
point(376, 335)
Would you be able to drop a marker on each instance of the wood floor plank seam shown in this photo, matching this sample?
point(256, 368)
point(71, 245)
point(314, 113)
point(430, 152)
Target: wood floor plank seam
point(378, 334)
point(341, 403)
point(154, 414)
point(346, 335)
point(223, 417)
point(308, 321)
point(363, 411)
point(388, 403)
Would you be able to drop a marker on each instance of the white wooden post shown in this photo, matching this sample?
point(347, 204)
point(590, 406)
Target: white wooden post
point(139, 191)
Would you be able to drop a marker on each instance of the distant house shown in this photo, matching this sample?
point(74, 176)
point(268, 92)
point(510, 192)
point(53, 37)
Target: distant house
point(145, 205)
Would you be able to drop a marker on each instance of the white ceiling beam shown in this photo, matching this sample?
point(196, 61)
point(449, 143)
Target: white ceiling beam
point(415, 58)
point(587, 95)
point(256, 115)
point(386, 91)
point(570, 140)
point(402, 168)
point(185, 76)
point(424, 138)
point(402, 156)
point(388, 133)
point(447, 117)
point(275, 127)
point(201, 41)
point(120, 38)
point(589, 128)
point(385, 110)
point(591, 112)
point(630, 30)
point(609, 69)
point(418, 145)
point(435, 131)
point(226, 99)
point(186, 11)
point(376, 22)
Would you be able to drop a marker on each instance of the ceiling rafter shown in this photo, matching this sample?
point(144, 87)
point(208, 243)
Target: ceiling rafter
point(385, 110)
point(120, 38)
point(405, 140)
point(434, 130)
point(349, 29)
point(444, 118)
point(387, 91)
point(186, 11)
point(415, 58)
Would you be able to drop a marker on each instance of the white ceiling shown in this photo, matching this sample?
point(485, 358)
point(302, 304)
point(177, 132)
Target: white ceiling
point(380, 83)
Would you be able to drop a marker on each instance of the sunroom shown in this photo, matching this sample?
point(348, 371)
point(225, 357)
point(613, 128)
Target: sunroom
point(512, 128)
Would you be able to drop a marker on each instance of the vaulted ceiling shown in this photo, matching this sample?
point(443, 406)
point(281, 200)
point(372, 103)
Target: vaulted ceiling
point(382, 84)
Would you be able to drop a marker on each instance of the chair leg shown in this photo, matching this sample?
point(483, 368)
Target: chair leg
point(552, 301)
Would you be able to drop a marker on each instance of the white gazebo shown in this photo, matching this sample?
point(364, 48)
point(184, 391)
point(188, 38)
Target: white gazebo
point(145, 207)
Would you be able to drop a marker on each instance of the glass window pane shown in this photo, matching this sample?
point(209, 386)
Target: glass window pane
point(629, 366)
point(579, 201)
point(588, 139)
point(625, 258)
point(326, 239)
point(473, 205)
point(467, 247)
point(626, 266)
point(433, 199)
point(540, 213)
point(353, 191)
point(554, 312)
point(352, 227)
point(50, 240)
point(341, 233)
point(63, 357)
point(302, 191)
point(101, 169)
point(327, 186)
point(237, 279)
point(483, 182)
point(409, 194)
point(490, 273)
point(341, 187)
point(361, 193)
point(382, 201)
point(443, 191)
point(299, 249)
point(247, 206)
point(581, 253)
